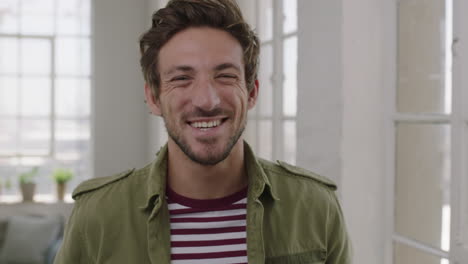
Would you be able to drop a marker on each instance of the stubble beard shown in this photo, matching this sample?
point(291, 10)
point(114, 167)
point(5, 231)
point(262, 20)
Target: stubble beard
point(213, 158)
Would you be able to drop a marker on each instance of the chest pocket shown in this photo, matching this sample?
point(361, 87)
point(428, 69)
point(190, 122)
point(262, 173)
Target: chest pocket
point(310, 257)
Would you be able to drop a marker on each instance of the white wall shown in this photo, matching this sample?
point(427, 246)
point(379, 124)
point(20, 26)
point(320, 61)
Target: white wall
point(340, 118)
point(120, 127)
point(320, 78)
point(363, 171)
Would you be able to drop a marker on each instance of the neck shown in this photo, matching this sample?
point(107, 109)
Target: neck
point(198, 181)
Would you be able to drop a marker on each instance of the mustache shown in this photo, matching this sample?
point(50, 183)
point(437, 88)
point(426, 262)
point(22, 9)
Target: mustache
point(200, 113)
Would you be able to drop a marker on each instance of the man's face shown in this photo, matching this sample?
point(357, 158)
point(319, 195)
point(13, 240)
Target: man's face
point(203, 96)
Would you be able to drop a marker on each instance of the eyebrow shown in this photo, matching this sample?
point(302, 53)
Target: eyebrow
point(227, 66)
point(183, 68)
point(187, 68)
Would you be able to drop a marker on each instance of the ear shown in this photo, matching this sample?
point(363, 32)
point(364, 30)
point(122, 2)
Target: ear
point(151, 101)
point(253, 95)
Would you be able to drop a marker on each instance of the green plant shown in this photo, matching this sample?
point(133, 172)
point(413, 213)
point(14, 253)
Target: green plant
point(28, 177)
point(62, 175)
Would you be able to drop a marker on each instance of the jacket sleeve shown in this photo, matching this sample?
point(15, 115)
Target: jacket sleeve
point(73, 248)
point(338, 244)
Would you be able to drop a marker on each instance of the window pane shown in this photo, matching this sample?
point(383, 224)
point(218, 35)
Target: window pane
point(35, 56)
point(265, 141)
point(37, 17)
point(8, 136)
point(72, 97)
point(289, 135)
point(265, 100)
point(290, 15)
point(423, 183)
point(9, 16)
point(407, 255)
point(8, 174)
point(265, 20)
point(73, 56)
point(73, 17)
point(8, 55)
point(8, 96)
point(35, 97)
point(72, 140)
point(35, 137)
point(421, 53)
point(290, 75)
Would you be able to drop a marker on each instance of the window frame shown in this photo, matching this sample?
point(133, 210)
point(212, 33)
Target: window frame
point(457, 120)
point(52, 118)
point(278, 119)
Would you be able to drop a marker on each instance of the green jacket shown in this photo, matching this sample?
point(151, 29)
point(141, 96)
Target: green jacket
point(293, 216)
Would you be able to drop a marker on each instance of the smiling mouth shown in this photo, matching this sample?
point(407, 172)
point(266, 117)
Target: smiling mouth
point(204, 125)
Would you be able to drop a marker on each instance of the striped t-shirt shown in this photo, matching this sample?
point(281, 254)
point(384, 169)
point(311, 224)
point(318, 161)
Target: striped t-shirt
point(208, 231)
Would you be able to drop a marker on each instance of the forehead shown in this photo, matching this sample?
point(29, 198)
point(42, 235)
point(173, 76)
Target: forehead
point(200, 47)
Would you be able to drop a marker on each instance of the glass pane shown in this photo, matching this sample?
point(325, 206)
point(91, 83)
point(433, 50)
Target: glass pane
point(37, 17)
point(35, 97)
point(73, 56)
point(407, 255)
point(265, 100)
point(8, 172)
point(289, 141)
point(265, 139)
point(35, 56)
point(8, 136)
point(72, 97)
point(290, 76)
point(265, 20)
point(71, 139)
point(35, 137)
point(290, 16)
point(421, 54)
point(9, 16)
point(73, 17)
point(8, 55)
point(8, 96)
point(423, 156)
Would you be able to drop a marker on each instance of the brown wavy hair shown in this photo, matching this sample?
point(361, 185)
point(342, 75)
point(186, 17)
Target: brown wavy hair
point(179, 15)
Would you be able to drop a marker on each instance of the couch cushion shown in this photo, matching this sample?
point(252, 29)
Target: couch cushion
point(28, 237)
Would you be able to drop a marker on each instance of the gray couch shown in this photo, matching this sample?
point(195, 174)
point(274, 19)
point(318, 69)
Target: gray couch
point(30, 239)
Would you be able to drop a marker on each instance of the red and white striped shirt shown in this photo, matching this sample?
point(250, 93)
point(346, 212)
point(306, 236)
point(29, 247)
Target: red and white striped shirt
point(208, 231)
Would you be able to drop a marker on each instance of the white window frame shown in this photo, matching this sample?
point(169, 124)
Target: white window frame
point(51, 118)
point(458, 121)
point(277, 118)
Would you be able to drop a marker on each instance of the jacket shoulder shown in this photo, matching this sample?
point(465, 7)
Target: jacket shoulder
point(98, 183)
point(284, 167)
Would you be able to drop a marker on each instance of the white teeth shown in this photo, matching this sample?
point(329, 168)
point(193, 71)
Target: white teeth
point(209, 124)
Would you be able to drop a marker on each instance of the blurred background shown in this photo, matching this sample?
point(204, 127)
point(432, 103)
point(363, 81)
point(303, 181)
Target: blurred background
point(369, 93)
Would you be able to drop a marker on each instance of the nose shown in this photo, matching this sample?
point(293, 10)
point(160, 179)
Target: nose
point(205, 95)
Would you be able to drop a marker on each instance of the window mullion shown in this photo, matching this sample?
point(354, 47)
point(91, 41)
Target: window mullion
point(52, 100)
point(278, 19)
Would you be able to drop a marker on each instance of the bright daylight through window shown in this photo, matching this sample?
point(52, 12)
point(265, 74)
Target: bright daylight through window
point(45, 83)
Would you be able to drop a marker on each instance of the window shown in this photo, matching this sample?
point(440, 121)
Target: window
point(45, 86)
point(271, 128)
point(428, 128)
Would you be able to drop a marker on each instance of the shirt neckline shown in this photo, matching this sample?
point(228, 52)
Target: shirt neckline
point(174, 197)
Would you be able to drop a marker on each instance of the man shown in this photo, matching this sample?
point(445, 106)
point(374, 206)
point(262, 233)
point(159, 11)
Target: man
point(206, 198)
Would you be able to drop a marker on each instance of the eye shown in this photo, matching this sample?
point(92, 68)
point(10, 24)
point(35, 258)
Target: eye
point(227, 76)
point(180, 78)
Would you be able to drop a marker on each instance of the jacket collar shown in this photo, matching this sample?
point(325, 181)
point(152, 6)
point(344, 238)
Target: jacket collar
point(259, 183)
